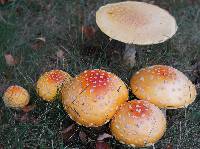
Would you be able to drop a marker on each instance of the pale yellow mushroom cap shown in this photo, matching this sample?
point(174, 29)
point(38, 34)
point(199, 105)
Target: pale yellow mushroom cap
point(16, 97)
point(164, 86)
point(136, 22)
point(93, 97)
point(49, 84)
point(138, 123)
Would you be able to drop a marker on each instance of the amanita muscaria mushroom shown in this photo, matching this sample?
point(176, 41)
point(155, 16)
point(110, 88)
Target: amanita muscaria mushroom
point(49, 84)
point(164, 86)
point(16, 97)
point(137, 23)
point(93, 97)
point(138, 123)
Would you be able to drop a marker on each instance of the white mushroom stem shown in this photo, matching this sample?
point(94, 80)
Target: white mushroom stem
point(129, 56)
point(164, 111)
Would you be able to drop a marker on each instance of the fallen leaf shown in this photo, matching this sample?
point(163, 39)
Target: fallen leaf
point(169, 146)
point(1, 146)
point(104, 136)
point(60, 54)
point(3, 1)
point(28, 108)
point(102, 145)
point(88, 31)
point(83, 137)
point(25, 118)
point(37, 45)
point(192, 1)
point(68, 132)
point(10, 60)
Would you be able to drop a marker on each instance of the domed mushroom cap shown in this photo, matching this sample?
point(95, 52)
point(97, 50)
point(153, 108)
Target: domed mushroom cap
point(136, 22)
point(49, 84)
point(164, 86)
point(138, 123)
point(93, 97)
point(16, 97)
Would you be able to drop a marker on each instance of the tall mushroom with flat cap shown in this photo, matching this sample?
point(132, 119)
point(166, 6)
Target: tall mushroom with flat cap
point(164, 86)
point(137, 23)
point(93, 97)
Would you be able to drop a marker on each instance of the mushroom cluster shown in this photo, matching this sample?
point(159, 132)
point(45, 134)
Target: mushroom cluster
point(94, 97)
point(141, 123)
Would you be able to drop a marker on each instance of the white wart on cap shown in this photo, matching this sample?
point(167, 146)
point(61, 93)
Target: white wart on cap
point(136, 22)
point(163, 86)
point(138, 123)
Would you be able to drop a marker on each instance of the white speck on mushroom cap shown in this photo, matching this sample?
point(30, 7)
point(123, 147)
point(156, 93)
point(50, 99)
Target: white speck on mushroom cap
point(56, 75)
point(142, 78)
point(96, 79)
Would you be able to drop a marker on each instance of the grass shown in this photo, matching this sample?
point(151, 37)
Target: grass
point(60, 22)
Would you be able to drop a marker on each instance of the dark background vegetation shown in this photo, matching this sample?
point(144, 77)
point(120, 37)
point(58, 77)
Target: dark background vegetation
point(74, 43)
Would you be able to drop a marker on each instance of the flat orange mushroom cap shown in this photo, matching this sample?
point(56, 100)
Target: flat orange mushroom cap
point(136, 22)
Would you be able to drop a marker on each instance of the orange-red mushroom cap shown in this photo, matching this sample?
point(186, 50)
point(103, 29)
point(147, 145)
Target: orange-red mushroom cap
point(138, 123)
point(16, 97)
point(93, 97)
point(49, 84)
point(164, 86)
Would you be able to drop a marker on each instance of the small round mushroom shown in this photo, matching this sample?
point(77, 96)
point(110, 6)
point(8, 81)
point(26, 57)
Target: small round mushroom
point(50, 83)
point(164, 86)
point(136, 23)
point(93, 97)
point(138, 123)
point(16, 97)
